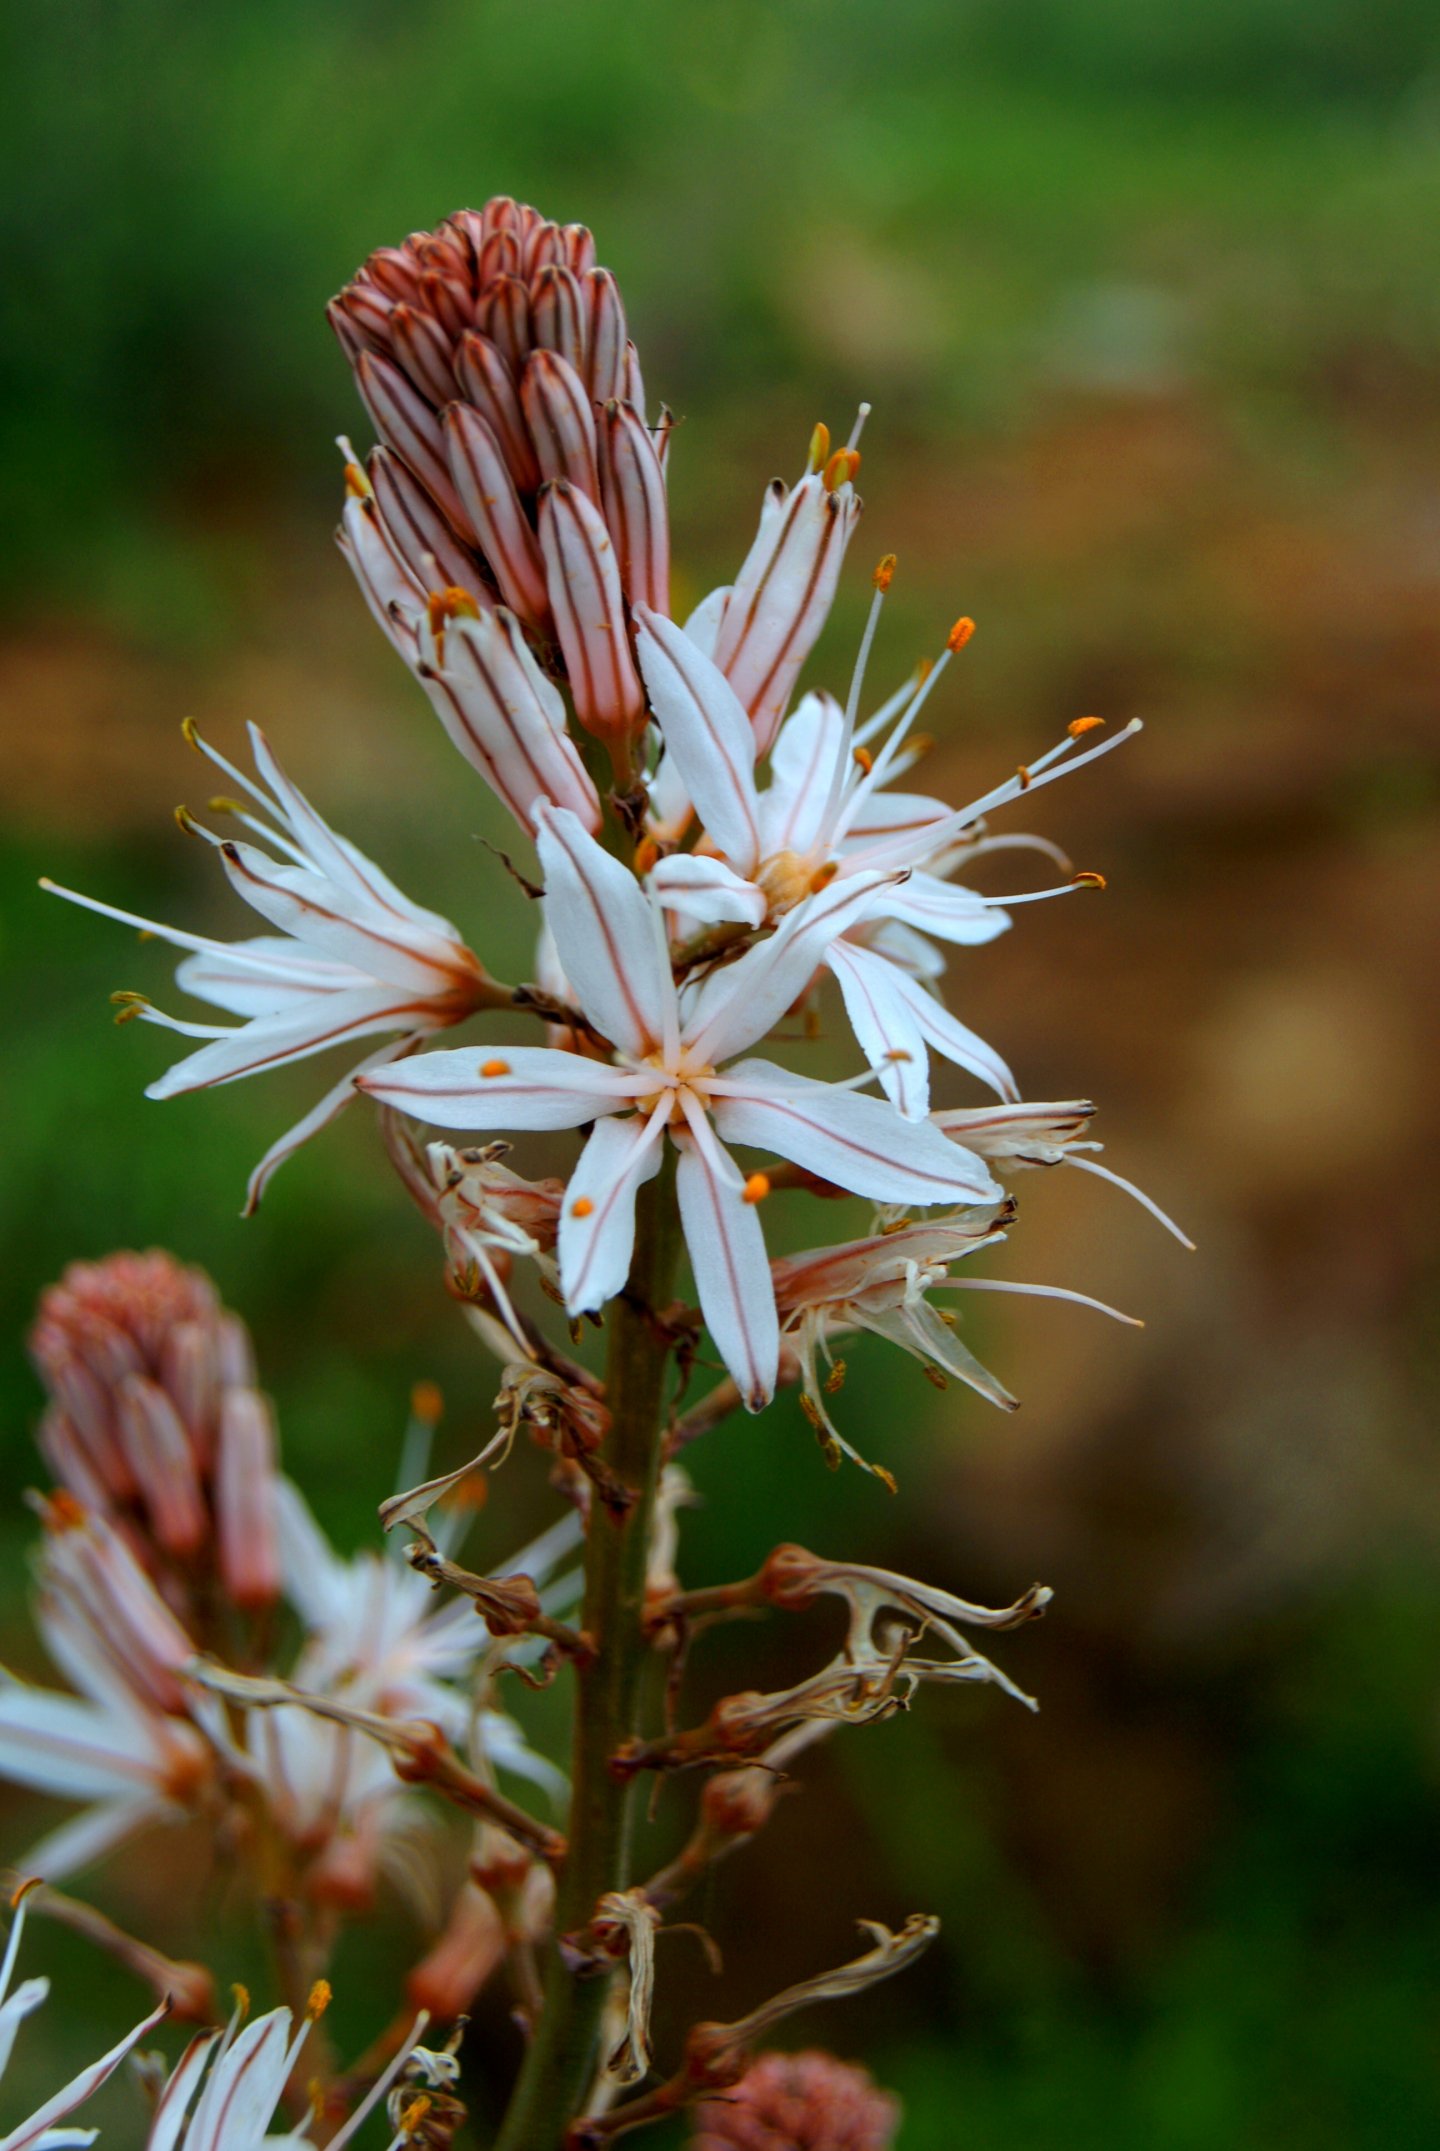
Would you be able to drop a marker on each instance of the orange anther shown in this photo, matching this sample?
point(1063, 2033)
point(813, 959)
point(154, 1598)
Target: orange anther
point(452, 603)
point(824, 875)
point(22, 1890)
point(1089, 881)
point(756, 1188)
point(819, 446)
point(63, 1512)
point(357, 485)
point(582, 1207)
point(960, 633)
point(864, 757)
point(885, 573)
point(1079, 726)
point(841, 468)
point(319, 1999)
point(494, 1068)
point(426, 1402)
point(647, 852)
point(1023, 777)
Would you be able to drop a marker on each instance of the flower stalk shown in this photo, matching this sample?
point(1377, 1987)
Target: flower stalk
point(563, 2050)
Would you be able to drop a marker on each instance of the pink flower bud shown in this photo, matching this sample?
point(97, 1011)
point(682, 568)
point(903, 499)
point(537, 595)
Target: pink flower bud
point(798, 2102)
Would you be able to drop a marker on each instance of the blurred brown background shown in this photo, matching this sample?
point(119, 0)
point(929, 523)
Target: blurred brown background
point(1146, 304)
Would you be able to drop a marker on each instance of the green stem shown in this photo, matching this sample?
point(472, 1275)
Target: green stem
point(558, 2067)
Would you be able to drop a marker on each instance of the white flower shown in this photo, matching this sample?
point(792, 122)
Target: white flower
point(669, 1071)
point(825, 817)
point(354, 957)
point(241, 2077)
point(40, 2132)
point(123, 1741)
point(378, 1640)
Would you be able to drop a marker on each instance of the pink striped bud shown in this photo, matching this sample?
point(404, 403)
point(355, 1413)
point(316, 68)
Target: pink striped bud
point(245, 1511)
point(562, 425)
point(495, 511)
point(633, 490)
point(589, 615)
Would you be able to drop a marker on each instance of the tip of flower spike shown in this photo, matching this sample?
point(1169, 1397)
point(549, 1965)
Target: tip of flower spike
point(1088, 881)
point(319, 1999)
point(1079, 726)
point(756, 1188)
point(960, 633)
point(426, 1403)
point(885, 573)
point(819, 448)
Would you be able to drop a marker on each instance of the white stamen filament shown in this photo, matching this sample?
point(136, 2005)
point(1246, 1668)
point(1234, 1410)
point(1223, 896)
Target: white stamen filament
point(1041, 1292)
point(381, 2086)
point(1103, 1172)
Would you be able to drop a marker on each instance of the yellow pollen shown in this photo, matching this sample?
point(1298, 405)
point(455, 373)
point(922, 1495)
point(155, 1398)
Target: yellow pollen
point(451, 603)
point(647, 852)
point(241, 1998)
point(824, 875)
point(898, 1053)
point(190, 732)
point(756, 1188)
point(319, 1999)
point(841, 468)
point(357, 485)
point(885, 573)
point(426, 1402)
point(1079, 726)
point(864, 757)
point(582, 1206)
point(1023, 774)
point(960, 633)
point(819, 446)
point(414, 2114)
point(63, 1512)
point(835, 1379)
point(494, 1068)
point(1089, 881)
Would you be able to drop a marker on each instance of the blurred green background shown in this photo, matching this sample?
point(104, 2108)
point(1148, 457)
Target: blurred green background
point(1148, 304)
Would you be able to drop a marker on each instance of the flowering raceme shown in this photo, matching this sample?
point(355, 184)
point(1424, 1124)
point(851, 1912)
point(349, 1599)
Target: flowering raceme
point(712, 860)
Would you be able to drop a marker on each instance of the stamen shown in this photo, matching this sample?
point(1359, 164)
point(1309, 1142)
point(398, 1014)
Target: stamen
point(859, 426)
point(319, 1998)
point(756, 1188)
point(819, 449)
point(960, 633)
point(1041, 1292)
point(1103, 1172)
point(495, 1068)
point(264, 966)
point(1079, 726)
point(841, 469)
point(196, 739)
point(582, 1207)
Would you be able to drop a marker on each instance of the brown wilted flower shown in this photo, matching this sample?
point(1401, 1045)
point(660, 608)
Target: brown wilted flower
point(799, 2102)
